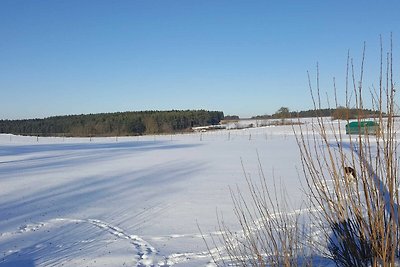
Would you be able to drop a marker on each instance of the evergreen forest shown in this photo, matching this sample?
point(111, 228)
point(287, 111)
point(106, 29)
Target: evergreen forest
point(113, 124)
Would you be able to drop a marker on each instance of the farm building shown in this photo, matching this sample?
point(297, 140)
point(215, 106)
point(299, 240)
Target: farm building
point(362, 127)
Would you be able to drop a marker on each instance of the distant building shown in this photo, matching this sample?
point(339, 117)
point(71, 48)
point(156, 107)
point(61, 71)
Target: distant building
point(362, 127)
point(208, 127)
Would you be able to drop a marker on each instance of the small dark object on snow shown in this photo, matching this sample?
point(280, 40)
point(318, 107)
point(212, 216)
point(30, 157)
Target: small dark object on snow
point(350, 173)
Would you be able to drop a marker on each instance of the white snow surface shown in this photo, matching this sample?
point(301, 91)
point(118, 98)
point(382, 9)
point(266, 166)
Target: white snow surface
point(131, 201)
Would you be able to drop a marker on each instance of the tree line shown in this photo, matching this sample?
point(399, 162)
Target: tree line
point(339, 113)
point(113, 124)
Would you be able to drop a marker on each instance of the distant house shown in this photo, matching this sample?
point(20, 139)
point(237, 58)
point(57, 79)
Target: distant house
point(208, 127)
point(362, 127)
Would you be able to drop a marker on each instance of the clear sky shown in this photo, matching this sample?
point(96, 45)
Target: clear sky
point(241, 57)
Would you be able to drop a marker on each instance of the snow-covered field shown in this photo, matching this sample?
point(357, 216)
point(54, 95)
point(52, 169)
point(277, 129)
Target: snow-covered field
point(131, 201)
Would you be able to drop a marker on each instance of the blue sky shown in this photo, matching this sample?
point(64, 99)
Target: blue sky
point(241, 57)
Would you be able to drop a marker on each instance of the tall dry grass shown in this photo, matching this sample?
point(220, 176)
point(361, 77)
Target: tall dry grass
point(270, 233)
point(358, 217)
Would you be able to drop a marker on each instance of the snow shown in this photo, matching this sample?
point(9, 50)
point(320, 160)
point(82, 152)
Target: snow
point(131, 201)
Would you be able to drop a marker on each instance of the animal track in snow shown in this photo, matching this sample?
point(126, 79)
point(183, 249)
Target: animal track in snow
point(147, 255)
point(145, 250)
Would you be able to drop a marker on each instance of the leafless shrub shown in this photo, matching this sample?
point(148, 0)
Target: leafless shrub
point(359, 217)
point(351, 181)
point(271, 234)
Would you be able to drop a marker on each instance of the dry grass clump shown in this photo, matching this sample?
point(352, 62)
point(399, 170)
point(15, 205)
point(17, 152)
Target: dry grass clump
point(270, 233)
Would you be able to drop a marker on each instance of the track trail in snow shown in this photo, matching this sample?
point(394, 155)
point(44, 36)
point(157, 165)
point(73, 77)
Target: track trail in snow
point(147, 255)
point(145, 252)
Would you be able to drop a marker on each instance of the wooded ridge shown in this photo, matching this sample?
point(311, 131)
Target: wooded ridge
point(113, 124)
